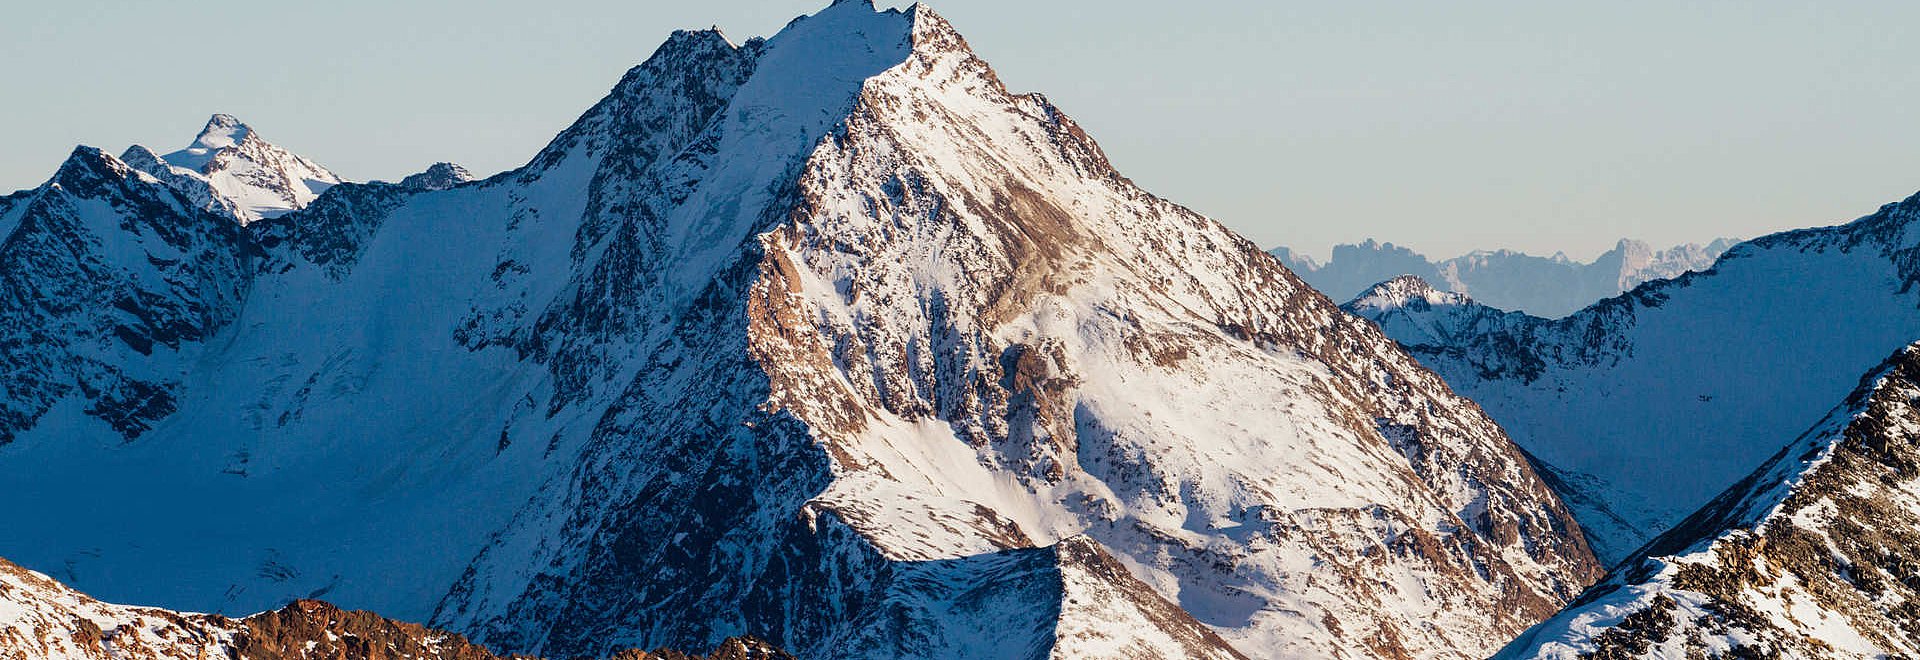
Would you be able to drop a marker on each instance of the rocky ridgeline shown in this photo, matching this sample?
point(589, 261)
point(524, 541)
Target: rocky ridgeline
point(42, 619)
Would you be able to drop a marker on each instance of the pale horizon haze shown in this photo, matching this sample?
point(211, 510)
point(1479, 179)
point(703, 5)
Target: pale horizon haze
point(1445, 127)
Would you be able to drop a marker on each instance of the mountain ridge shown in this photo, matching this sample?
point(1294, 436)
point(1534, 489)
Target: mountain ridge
point(41, 618)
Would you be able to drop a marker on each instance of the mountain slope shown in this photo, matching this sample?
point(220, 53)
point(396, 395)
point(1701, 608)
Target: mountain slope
point(1649, 403)
point(108, 282)
point(1812, 555)
point(832, 319)
point(230, 170)
point(1544, 286)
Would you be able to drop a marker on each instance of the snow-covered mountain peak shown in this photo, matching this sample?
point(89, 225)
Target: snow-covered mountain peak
point(221, 137)
point(1403, 291)
point(232, 171)
point(221, 132)
point(689, 43)
point(108, 275)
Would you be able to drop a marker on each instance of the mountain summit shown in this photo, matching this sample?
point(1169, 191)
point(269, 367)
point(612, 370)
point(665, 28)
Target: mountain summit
point(828, 339)
point(230, 170)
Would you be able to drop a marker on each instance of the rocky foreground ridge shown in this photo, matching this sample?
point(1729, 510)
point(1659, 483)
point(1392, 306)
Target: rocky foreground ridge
point(41, 619)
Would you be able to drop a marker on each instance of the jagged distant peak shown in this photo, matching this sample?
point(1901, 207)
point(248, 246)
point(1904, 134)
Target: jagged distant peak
point(711, 37)
point(1404, 285)
point(1405, 291)
point(438, 176)
point(142, 158)
point(1550, 286)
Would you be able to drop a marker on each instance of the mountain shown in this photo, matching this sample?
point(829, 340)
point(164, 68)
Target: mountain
point(232, 171)
point(827, 339)
point(1811, 556)
point(109, 282)
point(439, 176)
point(1544, 286)
point(1643, 406)
point(43, 619)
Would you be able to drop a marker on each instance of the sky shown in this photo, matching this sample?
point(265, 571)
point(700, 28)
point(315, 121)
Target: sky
point(1446, 127)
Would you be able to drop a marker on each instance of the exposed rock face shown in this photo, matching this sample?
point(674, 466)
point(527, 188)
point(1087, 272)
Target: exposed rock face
point(1544, 286)
point(231, 171)
point(1811, 556)
point(1648, 404)
point(829, 319)
point(108, 282)
point(42, 619)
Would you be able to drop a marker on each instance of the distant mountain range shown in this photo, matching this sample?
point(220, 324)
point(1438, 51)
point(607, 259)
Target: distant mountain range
point(1542, 286)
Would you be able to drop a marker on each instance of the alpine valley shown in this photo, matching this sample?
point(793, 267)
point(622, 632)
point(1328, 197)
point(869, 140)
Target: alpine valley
point(828, 345)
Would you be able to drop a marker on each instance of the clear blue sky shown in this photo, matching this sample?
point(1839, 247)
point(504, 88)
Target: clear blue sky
point(1444, 126)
